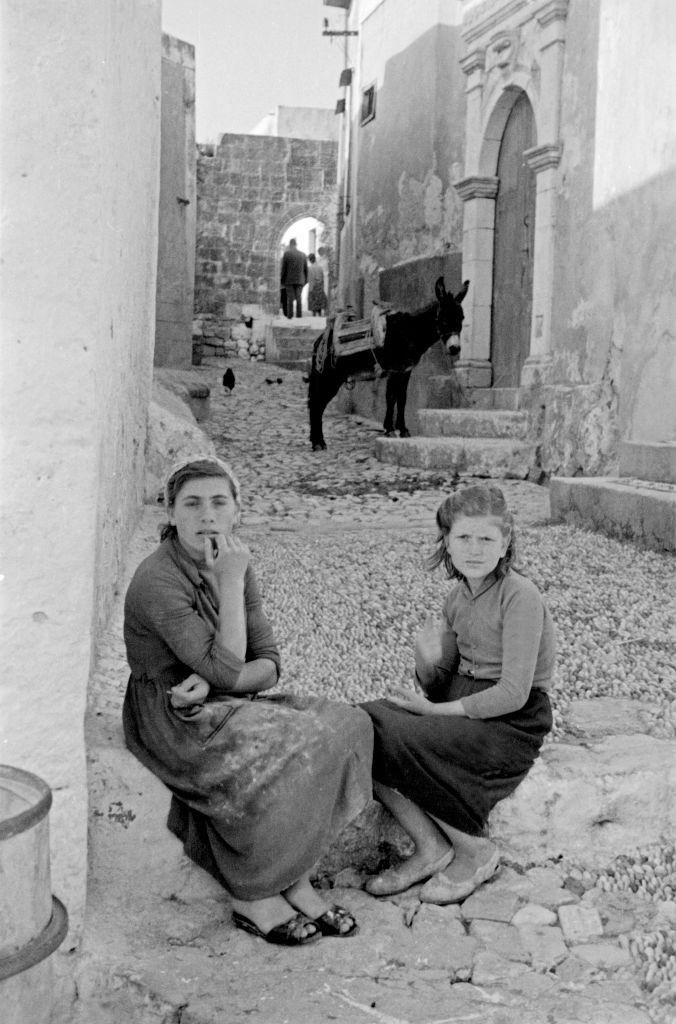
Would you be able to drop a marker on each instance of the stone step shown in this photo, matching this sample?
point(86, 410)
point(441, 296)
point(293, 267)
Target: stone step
point(485, 457)
point(292, 352)
point(444, 392)
point(287, 342)
point(473, 423)
point(642, 510)
point(493, 398)
point(291, 346)
point(649, 460)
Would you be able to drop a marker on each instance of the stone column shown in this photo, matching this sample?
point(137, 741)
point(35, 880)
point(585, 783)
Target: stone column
point(544, 160)
point(478, 194)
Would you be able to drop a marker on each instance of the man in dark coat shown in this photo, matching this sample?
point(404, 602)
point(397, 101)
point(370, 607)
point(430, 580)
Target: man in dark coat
point(293, 277)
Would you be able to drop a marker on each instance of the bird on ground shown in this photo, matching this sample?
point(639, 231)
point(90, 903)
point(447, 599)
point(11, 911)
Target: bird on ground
point(228, 379)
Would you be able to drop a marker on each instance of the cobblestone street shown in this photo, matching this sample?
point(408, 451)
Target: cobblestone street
point(339, 543)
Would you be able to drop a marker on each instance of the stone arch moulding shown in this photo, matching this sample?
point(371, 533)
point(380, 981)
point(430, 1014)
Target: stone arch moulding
point(496, 119)
point(267, 241)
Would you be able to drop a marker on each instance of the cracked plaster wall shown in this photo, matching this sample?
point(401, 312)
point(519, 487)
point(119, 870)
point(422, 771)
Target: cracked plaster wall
point(404, 204)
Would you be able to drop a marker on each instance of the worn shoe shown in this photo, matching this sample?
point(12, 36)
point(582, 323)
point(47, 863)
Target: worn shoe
point(332, 922)
point(287, 934)
point(440, 889)
point(402, 877)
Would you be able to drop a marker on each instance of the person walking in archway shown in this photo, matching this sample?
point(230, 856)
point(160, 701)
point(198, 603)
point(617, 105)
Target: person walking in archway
point(293, 277)
point(316, 298)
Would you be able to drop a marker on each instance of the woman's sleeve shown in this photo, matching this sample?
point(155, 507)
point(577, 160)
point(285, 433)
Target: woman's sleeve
point(260, 641)
point(167, 607)
point(522, 623)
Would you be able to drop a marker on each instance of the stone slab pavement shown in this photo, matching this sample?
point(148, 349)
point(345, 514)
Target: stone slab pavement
point(159, 947)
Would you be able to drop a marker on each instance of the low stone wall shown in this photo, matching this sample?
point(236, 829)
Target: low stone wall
point(173, 429)
point(241, 337)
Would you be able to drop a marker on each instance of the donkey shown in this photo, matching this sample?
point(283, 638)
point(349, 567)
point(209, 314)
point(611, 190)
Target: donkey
point(407, 336)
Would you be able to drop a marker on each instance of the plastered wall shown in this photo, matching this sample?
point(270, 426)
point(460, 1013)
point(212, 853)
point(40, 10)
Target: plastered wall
point(614, 305)
point(176, 246)
point(79, 164)
point(402, 163)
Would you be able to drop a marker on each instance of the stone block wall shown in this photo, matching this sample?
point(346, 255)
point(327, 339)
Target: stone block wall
point(216, 336)
point(250, 189)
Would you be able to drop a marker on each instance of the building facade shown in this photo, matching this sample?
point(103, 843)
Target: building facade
point(503, 139)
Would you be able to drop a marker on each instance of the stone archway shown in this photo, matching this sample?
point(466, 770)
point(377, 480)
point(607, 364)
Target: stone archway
point(273, 236)
point(249, 189)
point(510, 61)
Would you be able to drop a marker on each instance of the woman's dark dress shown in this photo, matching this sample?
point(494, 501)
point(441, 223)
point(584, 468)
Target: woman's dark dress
point(260, 785)
point(458, 768)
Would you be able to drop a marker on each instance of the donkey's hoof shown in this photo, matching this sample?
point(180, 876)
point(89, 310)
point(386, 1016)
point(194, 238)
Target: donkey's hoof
point(404, 433)
point(319, 446)
point(390, 433)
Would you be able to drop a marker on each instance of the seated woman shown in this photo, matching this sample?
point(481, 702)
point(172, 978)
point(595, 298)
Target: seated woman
point(446, 753)
point(260, 783)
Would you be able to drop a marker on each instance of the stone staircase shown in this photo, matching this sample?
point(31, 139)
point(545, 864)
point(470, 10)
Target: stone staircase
point(289, 343)
point(488, 438)
point(639, 503)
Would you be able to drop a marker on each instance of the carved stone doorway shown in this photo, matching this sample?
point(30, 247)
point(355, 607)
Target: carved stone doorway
point(513, 248)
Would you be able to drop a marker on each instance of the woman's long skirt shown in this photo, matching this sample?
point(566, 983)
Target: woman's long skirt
point(456, 768)
point(260, 787)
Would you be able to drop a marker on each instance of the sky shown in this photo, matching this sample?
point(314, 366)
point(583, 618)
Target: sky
point(252, 56)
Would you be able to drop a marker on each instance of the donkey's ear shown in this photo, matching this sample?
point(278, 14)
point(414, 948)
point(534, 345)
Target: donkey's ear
point(462, 293)
point(440, 289)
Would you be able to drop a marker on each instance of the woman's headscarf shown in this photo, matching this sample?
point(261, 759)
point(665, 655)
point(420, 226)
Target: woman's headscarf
point(199, 457)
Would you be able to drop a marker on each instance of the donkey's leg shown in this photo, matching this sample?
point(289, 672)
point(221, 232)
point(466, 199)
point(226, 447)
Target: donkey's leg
point(322, 388)
point(390, 398)
point(402, 389)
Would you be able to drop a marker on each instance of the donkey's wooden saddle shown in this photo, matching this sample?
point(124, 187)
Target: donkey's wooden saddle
point(352, 336)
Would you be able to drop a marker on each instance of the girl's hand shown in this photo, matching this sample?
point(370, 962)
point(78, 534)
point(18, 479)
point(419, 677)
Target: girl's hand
point(193, 690)
point(428, 646)
point(412, 700)
point(226, 556)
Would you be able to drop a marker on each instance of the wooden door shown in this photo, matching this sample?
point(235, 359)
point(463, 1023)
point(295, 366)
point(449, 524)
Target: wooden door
point(513, 248)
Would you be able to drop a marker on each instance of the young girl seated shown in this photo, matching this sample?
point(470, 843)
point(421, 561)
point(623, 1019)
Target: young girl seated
point(447, 752)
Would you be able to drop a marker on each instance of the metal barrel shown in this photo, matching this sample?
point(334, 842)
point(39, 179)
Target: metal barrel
point(33, 922)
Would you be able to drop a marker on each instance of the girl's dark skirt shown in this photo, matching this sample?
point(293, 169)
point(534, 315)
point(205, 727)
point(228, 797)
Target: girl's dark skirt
point(456, 768)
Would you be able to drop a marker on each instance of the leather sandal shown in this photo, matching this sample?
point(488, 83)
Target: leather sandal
point(330, 922)
point(289, 933)
point(401, 878)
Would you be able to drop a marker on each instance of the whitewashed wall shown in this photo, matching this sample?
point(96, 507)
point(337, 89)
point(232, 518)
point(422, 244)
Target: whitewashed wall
point(79, 164)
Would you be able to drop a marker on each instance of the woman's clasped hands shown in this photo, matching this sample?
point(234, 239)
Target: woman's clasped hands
point(193, 690)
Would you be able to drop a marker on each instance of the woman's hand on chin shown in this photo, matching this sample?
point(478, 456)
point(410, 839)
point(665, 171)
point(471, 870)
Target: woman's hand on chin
point(226, 556)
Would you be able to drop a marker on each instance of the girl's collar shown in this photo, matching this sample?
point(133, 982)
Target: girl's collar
point(488, 582)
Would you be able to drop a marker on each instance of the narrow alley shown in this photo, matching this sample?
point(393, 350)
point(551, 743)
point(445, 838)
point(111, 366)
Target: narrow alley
point(339, 541)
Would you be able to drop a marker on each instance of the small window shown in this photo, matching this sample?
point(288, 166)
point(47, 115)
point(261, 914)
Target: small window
point(368, 104)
